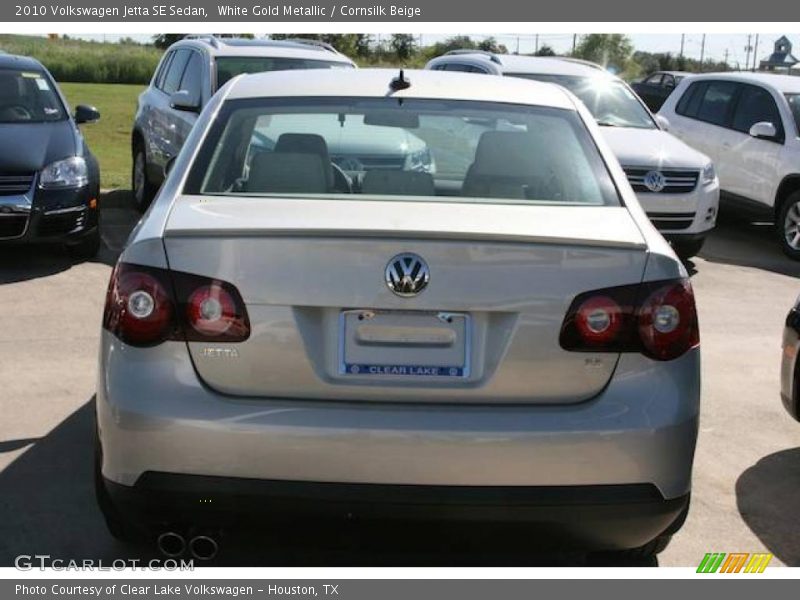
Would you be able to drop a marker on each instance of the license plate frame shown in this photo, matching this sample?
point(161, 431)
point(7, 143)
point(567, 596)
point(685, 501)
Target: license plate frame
point(458, 324)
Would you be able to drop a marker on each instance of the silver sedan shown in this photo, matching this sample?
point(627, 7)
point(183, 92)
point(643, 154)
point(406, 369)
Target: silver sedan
point(504, 338)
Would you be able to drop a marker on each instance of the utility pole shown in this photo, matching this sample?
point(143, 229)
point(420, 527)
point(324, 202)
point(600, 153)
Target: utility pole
point(683, 40)
point(574, 42)
point(517, 44)
point(537, 44)
point(747, 50)
point(755, 54)
point(702, 51)
point(726, 57)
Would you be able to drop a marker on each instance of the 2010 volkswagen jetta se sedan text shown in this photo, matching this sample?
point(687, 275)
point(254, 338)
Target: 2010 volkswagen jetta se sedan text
point(506, 339)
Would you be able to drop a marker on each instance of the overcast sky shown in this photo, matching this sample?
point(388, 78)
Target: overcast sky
point(716, 44)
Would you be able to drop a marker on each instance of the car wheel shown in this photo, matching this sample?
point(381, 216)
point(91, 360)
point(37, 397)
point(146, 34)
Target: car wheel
point(143, 189)
point(688, 248)
point(787, 226)
point(120, 527)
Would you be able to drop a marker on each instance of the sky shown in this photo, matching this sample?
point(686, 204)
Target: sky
point(716, 45)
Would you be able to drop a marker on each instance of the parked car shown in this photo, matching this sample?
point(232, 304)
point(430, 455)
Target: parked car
point(790, 366)
point(189, 74)
point(49, 179)
point(676, 184)
point(506, 340)
point(656, 87)
point(748, 124)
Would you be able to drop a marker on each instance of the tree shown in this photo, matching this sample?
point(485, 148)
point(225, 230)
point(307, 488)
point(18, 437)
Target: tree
point(612, 50)
point(545, 50)
point(403, 45)
point(490, 44)
point(165, 40)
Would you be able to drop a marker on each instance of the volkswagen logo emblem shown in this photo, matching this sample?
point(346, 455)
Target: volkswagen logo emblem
point(407, 275)
point(655, 181)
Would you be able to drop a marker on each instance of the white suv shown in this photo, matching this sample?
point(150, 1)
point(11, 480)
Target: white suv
point(748, 124)
point(676, 185)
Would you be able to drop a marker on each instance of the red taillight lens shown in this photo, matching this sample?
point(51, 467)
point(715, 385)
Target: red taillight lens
point(139, 308)
point(214, 313)
point(598, 320)
point(142, 310)
point(657, 319)
point(668, 321)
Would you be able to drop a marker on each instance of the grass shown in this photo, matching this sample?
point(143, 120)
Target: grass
point(109, 138)
point(85, 61)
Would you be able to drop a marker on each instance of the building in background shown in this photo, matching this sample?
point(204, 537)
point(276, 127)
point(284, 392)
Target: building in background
point(781, 59)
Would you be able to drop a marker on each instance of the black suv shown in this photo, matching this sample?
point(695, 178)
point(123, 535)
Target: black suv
point(49, 180)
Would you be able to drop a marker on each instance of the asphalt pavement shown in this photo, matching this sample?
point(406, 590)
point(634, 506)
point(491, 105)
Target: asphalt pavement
point(747, 467)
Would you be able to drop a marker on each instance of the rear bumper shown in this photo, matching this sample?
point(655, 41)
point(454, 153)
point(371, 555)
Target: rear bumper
point(587, 517)
point(154, 415)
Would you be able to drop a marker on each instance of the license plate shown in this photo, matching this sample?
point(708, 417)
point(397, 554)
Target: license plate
point(404, 344)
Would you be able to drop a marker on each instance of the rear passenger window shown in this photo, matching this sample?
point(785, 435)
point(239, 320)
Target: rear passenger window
point(193, 76)
point(716, 103)
point(755, 105)
point(690, 101)
point(175, 71)
point(162, 72)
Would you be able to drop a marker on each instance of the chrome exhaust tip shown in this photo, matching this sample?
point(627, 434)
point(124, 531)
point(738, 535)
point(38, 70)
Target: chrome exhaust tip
point(171, 544)
point(203, 547)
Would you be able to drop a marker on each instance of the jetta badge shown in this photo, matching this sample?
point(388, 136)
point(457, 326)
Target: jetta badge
point(407, 275)
point(655, 181)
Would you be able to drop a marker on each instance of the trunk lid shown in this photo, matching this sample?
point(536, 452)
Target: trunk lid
point(307, 269)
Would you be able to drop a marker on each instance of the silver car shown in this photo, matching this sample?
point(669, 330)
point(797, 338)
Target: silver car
point(503, 339)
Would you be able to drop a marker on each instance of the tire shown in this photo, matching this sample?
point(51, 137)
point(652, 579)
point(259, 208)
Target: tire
point(143, 189)
point(686, 249)
point(787, 226)
point(88, 247)
point(119, 526)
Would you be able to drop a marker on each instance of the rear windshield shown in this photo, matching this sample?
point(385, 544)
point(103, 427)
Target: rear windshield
point(28, 97)
point(611, 102)
point(415, 149)
point(229, 67)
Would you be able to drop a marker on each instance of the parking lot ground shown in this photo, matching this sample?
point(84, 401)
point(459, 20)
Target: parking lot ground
point(747, 468)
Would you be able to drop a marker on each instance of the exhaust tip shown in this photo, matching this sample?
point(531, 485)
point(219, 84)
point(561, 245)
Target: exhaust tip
point(171, 544)
point(203, 547)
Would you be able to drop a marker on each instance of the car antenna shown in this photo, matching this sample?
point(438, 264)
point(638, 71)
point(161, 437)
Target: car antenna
point(400, 82)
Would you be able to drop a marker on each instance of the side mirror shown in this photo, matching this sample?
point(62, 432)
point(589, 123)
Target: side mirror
point(86, 114)
point(185, 100)
point(663, 122)
point(764, 130)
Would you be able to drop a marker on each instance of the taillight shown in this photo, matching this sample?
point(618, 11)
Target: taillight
point(657, 319)
point(668, 321)
point(146, 306)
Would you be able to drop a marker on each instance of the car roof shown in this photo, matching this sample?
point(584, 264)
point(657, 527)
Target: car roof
point(375, 83)
point(307, 49)
point(513, 63)
point(13, 61)
point(781, 83)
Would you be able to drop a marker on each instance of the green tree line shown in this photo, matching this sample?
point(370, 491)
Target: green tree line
point(130, 62)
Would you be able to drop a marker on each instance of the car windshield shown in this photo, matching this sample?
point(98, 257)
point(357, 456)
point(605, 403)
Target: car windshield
point(347, 148)
point(610, 101)
point(28, 97)
point(794, 104)
point(229, 67)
